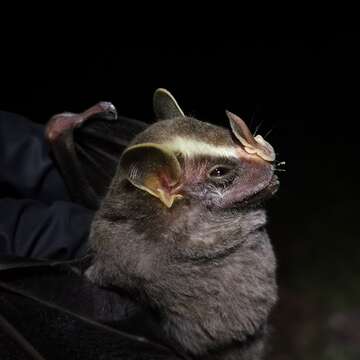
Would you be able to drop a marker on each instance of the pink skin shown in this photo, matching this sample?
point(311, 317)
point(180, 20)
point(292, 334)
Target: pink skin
point(257, 175)
point(59, 123)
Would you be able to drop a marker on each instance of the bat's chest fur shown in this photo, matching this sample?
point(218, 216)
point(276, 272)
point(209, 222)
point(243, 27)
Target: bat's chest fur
point(209, 275)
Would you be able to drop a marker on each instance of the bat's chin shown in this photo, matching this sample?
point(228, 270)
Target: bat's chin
point(263, 194)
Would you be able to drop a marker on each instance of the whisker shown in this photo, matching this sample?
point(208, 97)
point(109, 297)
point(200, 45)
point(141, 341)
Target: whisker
point(252, 118)
point(279, 170)
point(268, 133)
point(258, 127)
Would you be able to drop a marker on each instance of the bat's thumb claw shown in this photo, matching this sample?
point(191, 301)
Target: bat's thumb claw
point(109, 109)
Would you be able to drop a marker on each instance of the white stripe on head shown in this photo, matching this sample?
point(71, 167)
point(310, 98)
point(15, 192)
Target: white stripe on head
point(190, 147)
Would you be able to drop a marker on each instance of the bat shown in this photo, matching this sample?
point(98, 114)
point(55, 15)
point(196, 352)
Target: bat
point(181, 229)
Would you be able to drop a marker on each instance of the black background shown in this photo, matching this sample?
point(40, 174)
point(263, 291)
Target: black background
point(306, 90)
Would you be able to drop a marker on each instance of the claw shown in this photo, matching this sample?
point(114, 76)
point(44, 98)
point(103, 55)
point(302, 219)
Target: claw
point(105, 108)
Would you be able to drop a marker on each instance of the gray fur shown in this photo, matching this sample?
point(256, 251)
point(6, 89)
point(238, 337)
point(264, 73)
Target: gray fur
point(206, 266)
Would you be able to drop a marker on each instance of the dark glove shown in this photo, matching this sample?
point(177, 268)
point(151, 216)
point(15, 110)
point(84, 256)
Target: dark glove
point(37, 218)
point(33, 229)
point(26, 167)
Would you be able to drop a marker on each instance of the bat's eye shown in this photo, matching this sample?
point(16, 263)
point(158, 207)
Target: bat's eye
point(219, 171)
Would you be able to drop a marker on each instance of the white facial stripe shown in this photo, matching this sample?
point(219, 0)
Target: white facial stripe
point(191, 147)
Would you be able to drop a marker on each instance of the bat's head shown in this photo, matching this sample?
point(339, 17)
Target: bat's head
point(174, 233)
point(179, 158)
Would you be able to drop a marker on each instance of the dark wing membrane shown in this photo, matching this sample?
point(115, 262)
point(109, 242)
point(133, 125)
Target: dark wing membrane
point(50, 312)
point(88, 155)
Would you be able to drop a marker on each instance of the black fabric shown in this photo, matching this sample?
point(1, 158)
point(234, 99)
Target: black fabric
point(33, 229)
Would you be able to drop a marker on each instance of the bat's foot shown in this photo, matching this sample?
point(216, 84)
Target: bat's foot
point(59, 123)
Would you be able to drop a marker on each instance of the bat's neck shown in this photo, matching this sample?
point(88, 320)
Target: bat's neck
point(183, 261)
point(196, 226)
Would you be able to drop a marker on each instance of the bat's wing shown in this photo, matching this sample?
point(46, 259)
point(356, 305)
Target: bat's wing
point(87, 148)
point(48, 311)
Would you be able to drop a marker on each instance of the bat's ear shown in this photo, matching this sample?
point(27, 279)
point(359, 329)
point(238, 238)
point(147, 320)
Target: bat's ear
point(252, 145)
point(153, 168)
point(165, 105)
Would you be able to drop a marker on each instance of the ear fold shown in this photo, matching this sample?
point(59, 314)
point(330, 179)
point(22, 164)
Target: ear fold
point(252, 145)
point(152, 168)
point(165, 105)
